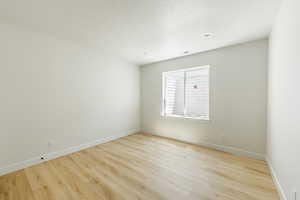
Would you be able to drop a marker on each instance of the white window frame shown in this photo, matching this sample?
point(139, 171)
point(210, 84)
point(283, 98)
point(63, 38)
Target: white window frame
point(163, 103)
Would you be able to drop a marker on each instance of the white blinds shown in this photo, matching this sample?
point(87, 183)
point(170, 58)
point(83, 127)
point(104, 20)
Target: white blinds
point(197, 93)
point(174, 92)
point(186, 93)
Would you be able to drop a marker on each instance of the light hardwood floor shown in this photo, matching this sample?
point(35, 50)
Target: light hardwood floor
point(142, 167)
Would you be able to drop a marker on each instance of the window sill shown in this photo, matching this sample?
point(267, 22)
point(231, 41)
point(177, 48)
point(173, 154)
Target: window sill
point(185, 117)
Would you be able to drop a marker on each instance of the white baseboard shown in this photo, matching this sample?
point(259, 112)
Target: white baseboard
point(234, 150)
point(50, 156)
point(276, 181)
point(227, 149)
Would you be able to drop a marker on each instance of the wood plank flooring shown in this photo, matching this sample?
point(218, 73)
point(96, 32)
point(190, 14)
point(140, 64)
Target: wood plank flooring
point(146, 167)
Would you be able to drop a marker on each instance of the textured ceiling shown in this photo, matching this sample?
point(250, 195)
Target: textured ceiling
point(144, 31)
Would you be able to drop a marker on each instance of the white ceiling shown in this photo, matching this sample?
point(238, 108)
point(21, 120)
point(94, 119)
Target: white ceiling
point(145, 31)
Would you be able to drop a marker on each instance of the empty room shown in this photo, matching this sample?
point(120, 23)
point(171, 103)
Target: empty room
point(149, 100)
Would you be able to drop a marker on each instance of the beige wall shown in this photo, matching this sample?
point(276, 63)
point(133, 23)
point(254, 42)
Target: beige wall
point(284, 99)
point(238, 99)
point(61, 92)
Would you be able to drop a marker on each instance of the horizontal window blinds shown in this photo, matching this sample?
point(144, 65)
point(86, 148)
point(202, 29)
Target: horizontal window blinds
point(197, 93)
point(174, 92)
point(186, 93)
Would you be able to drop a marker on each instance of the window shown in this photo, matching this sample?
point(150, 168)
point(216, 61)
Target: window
point(186, 93)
